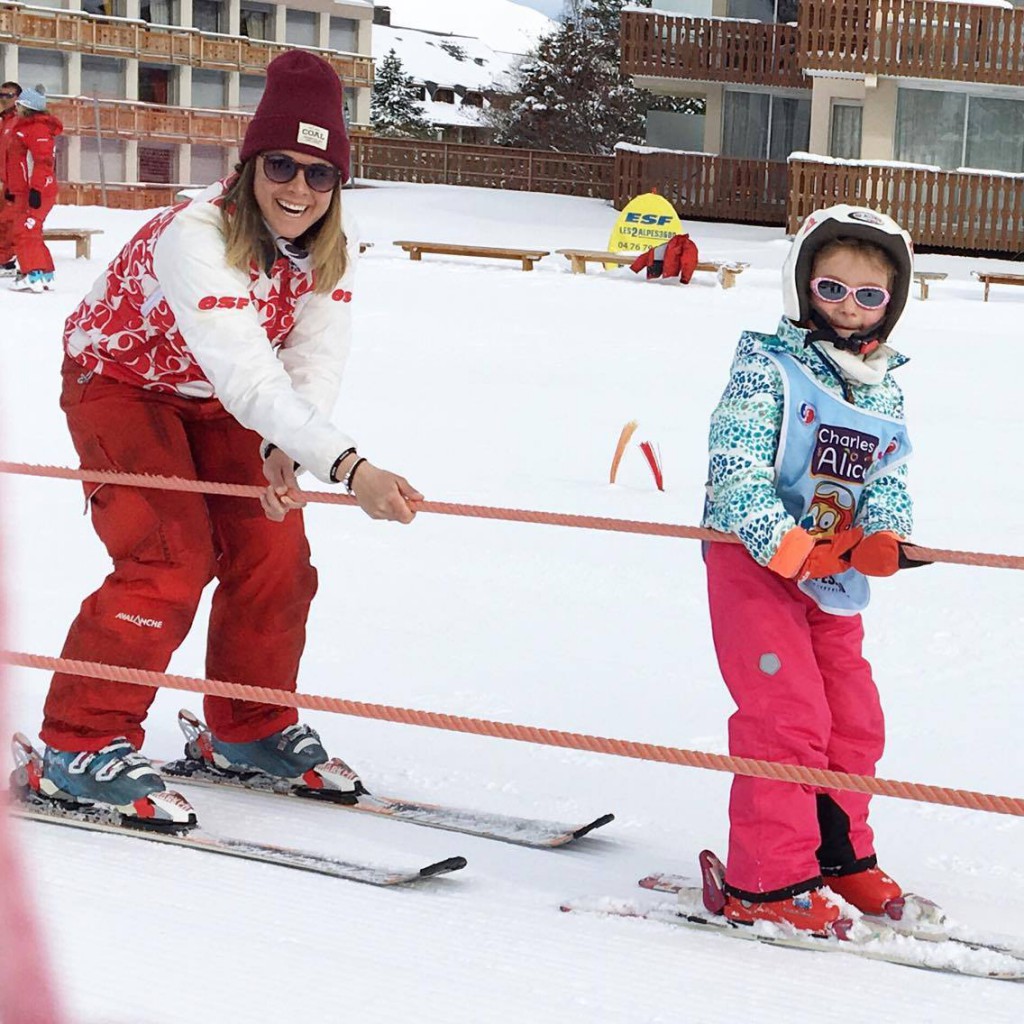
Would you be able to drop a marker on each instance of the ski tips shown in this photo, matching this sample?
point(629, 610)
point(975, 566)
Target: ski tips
point(443, 867)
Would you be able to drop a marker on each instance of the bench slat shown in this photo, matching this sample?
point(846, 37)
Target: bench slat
point(579, 258)
point(82, 237)
point(526, 256)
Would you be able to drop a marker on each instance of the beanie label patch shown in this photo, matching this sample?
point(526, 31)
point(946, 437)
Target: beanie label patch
point(312, 135)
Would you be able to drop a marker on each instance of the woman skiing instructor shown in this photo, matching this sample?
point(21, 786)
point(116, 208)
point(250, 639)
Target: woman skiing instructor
point(212, 348)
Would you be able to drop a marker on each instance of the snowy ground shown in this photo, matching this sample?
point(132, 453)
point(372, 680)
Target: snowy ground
point(487, 385)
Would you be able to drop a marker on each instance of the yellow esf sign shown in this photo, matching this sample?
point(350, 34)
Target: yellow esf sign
point(646, 221)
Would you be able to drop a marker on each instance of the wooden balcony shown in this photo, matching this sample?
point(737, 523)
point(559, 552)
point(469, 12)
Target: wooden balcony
point(140, 121)
point(915, 39)
point(659, 45)
point(76, 31)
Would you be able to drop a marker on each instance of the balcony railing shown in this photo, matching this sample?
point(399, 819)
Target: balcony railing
point(710, 50)
point(46, 28)
point(914, 38)
point(126, 120)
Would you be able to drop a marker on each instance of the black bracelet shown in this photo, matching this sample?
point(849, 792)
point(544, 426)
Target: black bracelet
point(333, 475)
point(350, 477)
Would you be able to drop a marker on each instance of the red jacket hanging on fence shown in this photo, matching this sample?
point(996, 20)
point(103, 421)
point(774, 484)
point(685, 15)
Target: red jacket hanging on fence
point(31, 178)
point(676, 258)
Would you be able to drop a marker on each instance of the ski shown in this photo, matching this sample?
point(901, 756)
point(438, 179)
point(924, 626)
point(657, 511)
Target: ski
point(922, 919)
point(31, 807)
point(920, 939)
point(872, 940)
point(483, 824)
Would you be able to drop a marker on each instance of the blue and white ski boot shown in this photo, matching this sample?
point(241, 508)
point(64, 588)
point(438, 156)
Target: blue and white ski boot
point(117, 779)
point(291, 759)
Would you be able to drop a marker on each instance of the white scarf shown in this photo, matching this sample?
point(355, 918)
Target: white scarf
point(867, 369)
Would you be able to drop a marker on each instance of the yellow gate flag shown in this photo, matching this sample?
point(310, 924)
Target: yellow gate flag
point(645, 222)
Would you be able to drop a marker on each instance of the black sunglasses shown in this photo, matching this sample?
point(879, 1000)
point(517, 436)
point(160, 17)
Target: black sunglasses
point(280, 168)
point(9, 95)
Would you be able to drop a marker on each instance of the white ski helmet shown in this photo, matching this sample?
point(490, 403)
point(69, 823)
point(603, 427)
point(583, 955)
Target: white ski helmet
point(845, 221)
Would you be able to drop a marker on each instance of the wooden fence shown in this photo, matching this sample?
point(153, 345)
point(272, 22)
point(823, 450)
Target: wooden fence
point(705, 186)
point(956, 211)
point(447, 163)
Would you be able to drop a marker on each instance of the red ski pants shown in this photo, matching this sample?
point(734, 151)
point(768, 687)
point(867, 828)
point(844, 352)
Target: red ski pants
point(29, 246)
point(804, 695)
point(166, 546)
point(8, 215)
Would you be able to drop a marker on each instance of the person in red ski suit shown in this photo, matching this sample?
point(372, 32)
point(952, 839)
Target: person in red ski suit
point(30, 177)
point(9, 93)
point(212, 348)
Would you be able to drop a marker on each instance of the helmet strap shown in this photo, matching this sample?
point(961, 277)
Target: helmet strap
point(858, 344)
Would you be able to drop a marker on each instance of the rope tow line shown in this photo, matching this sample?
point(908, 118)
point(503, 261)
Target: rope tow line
point(171, 483)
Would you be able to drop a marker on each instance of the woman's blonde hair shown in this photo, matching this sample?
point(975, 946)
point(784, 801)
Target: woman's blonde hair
point(247, 239)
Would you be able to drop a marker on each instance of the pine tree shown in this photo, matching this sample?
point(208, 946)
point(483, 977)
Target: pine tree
point(394, 105)
point(571, 94)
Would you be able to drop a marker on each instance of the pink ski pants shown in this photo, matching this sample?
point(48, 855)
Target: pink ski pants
point(804, 695)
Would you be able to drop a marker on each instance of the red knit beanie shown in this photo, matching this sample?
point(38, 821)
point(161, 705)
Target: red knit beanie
point(301, 110)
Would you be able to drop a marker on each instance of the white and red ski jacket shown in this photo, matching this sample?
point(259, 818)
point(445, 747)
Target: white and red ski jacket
point(170, 315)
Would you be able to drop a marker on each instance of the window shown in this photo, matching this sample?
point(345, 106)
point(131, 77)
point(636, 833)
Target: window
point(349, 104)
point(930, 127)
point(473, 99)
point(155, 83)
point(209, 89)
point(160, 12)
point(44, 68)
point(156, 162)
point(106, 8)
point(995, 134)
point(250, 89)
point(102, 161)
point(845, 136)
point(344, 35)
point(209, 16)
point(954, 130)
point(759, 126)
point(767, 11)
point(208, 164)
point(255, 20)
point(300, 28)
point(103, 77)
point(443, 95)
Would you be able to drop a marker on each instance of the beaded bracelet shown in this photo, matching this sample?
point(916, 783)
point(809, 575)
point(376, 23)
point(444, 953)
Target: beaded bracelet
point(333, 475)
point(351, 475)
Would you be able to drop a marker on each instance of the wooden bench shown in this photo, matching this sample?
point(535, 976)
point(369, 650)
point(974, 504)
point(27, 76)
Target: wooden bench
point(579, 258)
point(989, 279)
point(925, 277)
point(82, 237)
point(363, 246)
point(526, 256)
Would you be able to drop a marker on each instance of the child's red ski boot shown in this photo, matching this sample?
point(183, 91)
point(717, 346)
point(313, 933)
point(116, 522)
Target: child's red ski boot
point(871, 892)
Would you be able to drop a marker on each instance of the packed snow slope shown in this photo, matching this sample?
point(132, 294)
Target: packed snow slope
point(486, 385)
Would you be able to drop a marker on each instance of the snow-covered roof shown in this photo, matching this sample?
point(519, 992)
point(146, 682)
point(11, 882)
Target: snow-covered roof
point(448, 60)
point(500, 24)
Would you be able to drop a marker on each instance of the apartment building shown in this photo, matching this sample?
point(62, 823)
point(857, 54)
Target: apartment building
point(936, 84)
point(123, 72)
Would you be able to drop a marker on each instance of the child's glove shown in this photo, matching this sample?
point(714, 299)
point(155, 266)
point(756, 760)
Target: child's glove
point(803, 556)
point(882, 554)
point(35, 200)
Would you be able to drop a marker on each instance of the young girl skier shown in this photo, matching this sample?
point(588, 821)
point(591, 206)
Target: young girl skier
point(808, 454)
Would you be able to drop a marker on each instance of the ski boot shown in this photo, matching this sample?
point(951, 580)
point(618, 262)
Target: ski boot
point(871, 891)
point(9, 269)
point(809, 912)
point(292, 759)
point(116, 779)
point(33, 281)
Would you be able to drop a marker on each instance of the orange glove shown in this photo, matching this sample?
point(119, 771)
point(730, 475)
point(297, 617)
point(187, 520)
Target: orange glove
point(879, 555)
point(803, 556)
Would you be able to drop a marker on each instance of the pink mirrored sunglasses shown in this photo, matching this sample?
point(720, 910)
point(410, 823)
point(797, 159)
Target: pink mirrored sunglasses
point(868, 296)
